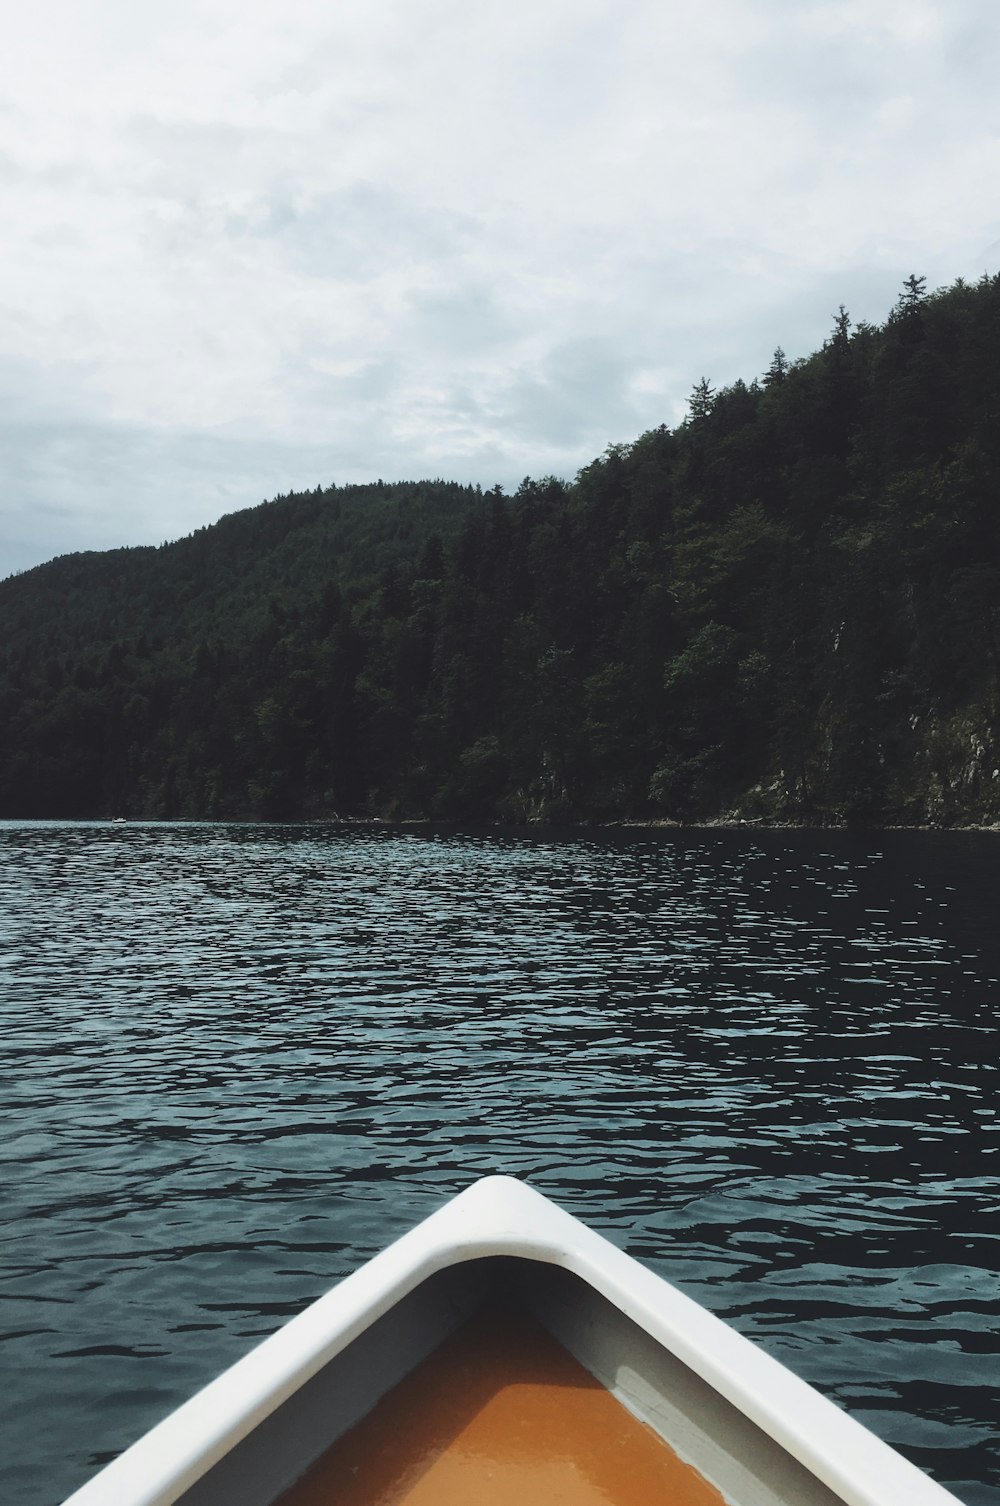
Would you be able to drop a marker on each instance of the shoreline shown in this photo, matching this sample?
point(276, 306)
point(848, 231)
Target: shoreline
point(637, 826)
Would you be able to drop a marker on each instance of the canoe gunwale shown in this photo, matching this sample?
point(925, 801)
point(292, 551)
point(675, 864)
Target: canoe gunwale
point(499, 1216)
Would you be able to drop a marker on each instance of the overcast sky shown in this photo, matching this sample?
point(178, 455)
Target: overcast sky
point(249, 248)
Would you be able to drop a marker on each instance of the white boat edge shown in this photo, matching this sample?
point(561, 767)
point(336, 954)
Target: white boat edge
point(500, 1216)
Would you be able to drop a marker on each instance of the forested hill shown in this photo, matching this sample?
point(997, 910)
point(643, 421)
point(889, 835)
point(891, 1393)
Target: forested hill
point(786, 609)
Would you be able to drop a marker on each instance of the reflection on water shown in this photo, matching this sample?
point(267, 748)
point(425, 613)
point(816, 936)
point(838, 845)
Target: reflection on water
point(239, 1059)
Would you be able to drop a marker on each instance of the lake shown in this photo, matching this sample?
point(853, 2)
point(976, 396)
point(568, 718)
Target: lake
point(238, 1059)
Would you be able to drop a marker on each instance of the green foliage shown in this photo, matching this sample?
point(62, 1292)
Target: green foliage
point(788, 608)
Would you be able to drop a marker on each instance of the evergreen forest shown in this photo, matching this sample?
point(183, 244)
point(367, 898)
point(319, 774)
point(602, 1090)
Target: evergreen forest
point(786, 609)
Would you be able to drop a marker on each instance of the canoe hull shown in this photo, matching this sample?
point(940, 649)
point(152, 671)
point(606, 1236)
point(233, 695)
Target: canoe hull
point(755, 1431)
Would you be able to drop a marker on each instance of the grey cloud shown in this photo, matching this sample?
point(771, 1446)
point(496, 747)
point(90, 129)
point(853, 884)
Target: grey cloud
point(357, 231)
point(842, 74)
point(988, 260)
point(464, 320)
point(167, 145)
point(578, 393)
point(971, 50)
point(563, 86)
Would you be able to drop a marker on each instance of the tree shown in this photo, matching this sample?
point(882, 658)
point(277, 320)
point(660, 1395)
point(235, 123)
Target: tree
point(913, 295)
point(778, 369)
point(702, 399)
point(841, 329)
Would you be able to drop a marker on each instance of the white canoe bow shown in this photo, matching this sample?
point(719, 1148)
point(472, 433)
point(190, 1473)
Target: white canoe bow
point(745, 1425)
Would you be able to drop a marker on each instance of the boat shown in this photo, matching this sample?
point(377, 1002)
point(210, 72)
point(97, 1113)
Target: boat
point(501, 1353)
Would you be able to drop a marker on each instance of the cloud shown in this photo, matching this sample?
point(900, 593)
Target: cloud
point(247, 250)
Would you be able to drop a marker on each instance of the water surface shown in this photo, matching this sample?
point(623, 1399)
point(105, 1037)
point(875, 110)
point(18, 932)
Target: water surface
point(238, 1059)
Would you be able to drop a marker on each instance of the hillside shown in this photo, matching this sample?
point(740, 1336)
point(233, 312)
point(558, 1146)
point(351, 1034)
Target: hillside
point(785, 609)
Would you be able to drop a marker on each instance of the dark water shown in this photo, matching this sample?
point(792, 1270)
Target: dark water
point(238, 1060)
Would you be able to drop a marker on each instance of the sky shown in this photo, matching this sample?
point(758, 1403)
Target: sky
point(251, 249)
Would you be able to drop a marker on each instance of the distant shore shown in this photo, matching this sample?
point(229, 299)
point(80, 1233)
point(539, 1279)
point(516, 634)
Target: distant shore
point(443, 824)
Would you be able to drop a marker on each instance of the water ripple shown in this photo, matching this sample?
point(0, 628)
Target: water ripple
point(238, 1060)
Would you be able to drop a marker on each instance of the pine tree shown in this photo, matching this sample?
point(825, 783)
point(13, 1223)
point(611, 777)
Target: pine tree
point(913, 295)
point(778, 369)
point(702, 399)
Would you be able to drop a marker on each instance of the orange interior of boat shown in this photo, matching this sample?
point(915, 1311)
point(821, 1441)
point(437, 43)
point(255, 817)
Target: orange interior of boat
point(500, 1415)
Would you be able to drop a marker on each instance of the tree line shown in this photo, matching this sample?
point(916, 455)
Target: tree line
point(784, 609)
